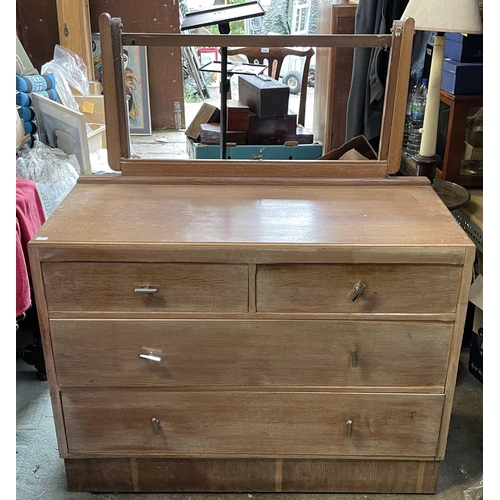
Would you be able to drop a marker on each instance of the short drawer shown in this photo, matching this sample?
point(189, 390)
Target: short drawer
point(204, 423)
point(310, 353)
point(99, 286)
point(297, 288)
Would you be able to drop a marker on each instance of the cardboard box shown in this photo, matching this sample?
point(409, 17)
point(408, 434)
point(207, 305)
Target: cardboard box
point(206, 114)
point(356, 149)
point(462, 78)
point(95, 89)
point(466, 49)
point(92, 108)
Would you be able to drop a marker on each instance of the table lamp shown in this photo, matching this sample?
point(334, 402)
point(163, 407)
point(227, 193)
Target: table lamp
point(441, 16)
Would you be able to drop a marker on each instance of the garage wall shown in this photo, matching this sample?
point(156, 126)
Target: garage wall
point(37, 30)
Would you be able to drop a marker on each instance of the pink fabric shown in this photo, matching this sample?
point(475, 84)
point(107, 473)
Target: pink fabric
point(29, 218)
point(23, 298)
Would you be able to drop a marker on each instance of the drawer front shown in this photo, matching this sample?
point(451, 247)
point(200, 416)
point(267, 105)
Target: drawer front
point(252, 423)
point(328, 288)
point(98, 286)
point(250, 353)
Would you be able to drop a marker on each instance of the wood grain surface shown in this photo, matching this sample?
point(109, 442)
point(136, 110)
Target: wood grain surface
point(380, 215)
point(208, 353)
point(112, 105)
point(204, 423)
point(456, 347)
point(97, 286)
point(173, 40)
point(73, 18)
point(392, 128)
point(263, 360)
point(338, 169)
point(320, 288)
point(250, 475)
point(48, 353)
point(363, 476)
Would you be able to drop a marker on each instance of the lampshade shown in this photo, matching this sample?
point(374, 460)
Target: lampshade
point(458, 16)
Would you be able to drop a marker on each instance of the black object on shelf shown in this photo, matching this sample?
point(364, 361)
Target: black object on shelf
point(222, 16)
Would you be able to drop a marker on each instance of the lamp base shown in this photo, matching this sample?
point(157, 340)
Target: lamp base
point(426, 165)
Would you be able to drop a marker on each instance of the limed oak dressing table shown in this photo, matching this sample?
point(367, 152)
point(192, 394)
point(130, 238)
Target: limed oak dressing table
point(252, 326)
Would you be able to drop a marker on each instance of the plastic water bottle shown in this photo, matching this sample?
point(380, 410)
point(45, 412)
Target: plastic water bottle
point(414, 84)
point(417, 120)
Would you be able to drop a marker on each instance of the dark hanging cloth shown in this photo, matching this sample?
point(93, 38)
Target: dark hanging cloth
point(370, 66)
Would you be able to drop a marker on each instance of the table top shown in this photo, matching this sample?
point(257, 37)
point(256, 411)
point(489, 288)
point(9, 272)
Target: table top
point(453, 195)
point(382, 214)
point(474, 208)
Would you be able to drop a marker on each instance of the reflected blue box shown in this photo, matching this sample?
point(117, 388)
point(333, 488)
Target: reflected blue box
point(249, 152)
point(462, 78)
point(467, 49)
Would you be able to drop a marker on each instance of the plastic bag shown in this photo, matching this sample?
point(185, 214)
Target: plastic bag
point(69, 71)
point(474, 492)
point(54, 172)
point(99, 163)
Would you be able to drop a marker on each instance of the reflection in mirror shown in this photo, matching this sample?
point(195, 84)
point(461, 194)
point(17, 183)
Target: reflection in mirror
point(281, 81)
point(256, 97)
point(270, 107)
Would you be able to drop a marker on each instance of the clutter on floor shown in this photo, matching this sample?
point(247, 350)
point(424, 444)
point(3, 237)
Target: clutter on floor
point(259, 125)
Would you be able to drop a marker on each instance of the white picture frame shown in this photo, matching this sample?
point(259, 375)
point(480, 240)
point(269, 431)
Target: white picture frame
point(63, 128)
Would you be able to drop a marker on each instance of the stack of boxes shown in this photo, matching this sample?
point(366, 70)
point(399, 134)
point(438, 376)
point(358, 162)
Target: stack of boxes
point(237, 126)
point(261, 117)
point(463, 64)
point(271, 122)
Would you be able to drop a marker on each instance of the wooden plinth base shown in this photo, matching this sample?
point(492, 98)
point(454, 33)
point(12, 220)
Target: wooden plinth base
point(251, 475)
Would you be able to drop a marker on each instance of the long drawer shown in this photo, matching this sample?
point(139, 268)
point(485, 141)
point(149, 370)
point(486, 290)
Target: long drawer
point(163, 287)
point(245, 423)
point(250, 353)
point(391, 288)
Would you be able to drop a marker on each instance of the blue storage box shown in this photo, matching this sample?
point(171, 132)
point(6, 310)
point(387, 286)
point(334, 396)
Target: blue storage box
point(248, 152)
point(467, 49)
point(462, 78)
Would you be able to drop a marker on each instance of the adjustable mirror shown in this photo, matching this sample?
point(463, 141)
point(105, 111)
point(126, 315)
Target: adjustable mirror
point(113, 39)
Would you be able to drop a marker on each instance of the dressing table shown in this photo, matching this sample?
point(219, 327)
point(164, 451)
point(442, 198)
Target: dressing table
point(257, 326)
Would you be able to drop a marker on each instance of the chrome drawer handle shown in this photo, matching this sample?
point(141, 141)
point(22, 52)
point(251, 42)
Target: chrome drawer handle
point(354, 358)
point(349, 428)
point(356, 291)
point(156, 426)
point(151, 357)
point(146, 289)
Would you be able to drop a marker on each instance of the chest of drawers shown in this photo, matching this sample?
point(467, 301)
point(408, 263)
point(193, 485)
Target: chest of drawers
point(216, 337)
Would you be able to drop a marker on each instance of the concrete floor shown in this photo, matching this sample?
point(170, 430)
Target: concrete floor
point(172, 144)
point(40, 471)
